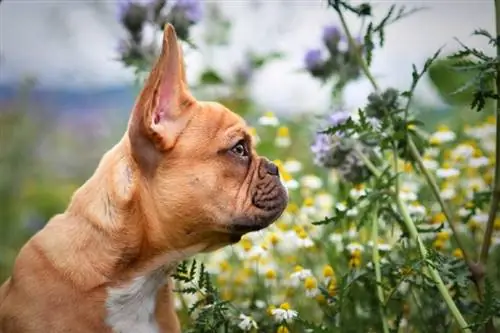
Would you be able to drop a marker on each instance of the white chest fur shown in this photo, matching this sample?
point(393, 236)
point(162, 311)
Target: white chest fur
point(131, 309)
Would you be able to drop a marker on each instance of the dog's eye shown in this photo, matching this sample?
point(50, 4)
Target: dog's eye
point(240, 149)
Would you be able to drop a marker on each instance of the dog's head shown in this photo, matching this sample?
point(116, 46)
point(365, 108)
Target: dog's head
point(203, 182)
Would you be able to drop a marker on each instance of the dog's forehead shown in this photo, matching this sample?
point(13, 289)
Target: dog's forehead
point(225, 118)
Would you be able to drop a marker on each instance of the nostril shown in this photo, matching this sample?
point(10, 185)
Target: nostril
point(272, 169)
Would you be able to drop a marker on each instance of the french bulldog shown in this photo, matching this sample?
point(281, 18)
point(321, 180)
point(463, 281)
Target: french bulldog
point(184, 179)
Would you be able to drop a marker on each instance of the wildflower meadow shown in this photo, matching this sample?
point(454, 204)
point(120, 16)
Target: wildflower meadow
point(392, 223)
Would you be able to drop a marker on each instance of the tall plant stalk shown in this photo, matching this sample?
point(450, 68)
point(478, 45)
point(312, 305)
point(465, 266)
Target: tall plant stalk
point(408, 222)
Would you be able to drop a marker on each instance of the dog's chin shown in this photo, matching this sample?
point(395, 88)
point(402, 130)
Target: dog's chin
point(244, 225)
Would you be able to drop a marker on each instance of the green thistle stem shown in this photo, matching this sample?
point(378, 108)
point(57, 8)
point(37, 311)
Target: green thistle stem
point(410, 225)
point(412, 230)
point(414, 235)
point(435, 190)
point(378, 275)
point(495, 197)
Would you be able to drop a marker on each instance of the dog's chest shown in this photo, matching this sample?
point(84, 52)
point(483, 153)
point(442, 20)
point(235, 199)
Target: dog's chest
point(131, 309)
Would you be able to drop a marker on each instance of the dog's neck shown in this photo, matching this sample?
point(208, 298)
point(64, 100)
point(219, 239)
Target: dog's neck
point(115, 238)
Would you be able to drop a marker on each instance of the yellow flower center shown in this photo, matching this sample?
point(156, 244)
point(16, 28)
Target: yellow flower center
point(443, 128)
point(438, 244)
point(271, 274)
point(321, 299)
point(309, 202)
point(458, 253)
point(246, 244)
point(282, 329)
point(496, 225)
point(328, 271)
point(283, 132)
point(332, 288)
point(273, 238)
point(477, 153)
point(292, 208)
point(224, 265)
point(443, 235)
point(310, 283)
point(298, 268)
point(285, 306)
point(354, 262)
point(438, 218)
point(270, 309)
point(359, 187)
point(302, 234)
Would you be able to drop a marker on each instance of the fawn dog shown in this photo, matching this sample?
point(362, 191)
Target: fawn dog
point(184, 179)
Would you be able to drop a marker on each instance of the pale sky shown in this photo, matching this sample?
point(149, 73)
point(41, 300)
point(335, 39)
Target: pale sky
point(72, 43)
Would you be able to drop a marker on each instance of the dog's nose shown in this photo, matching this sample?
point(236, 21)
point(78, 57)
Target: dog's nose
point(272, 169)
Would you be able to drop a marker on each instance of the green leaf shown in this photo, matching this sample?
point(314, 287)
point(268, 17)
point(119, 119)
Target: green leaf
point(211, 77)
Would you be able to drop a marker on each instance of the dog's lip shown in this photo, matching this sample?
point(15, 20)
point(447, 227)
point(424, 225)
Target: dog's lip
point(243, 228)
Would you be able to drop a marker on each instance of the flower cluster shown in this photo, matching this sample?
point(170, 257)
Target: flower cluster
point(336, 58)
point(143, 18)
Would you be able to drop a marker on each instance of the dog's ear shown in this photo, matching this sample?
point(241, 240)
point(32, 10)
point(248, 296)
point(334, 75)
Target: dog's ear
point(163, 107)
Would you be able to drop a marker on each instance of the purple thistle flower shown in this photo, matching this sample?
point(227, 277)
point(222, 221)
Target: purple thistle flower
point(338, 118)
point(313, 59)
point(191, 8)
point(124, 5)
point(331, 32)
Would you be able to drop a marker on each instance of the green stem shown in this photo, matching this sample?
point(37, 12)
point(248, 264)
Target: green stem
point(413, 232)
point(495, 196)
point(361, 62)
point(410, 225)
point(435, 190)
point(378, 274)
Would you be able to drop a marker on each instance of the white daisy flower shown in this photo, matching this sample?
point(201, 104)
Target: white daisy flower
point(442, 135)
point(292, 166)
point(284, 313)
point(311, 182)
point(269, 119)
point(447, 172)
point(478, 162)
point(247, 323)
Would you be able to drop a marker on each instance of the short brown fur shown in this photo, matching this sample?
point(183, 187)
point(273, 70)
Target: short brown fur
point(173, 182)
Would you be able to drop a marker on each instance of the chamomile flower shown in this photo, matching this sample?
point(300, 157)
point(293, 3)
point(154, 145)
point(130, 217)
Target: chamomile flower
point(480, 218)
point(478, 162)
point(382, 246)
point(341, 206)
point(357, 191)
point(462, 152)
point(292, 166)
point(442, 135)
point(311, 182)
point(269, 119)
point(284, 313)
point(247, 323)
point(430, 163)
point(299, 275)
point(354, 247)
point(448, 191)
point(407, 193)
point(416, 209)
point(283, 137)
point(328, 274)
point(352, 212)
point(337, 240)
point(446, 171)
point(311, 286)
point(324, 201)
